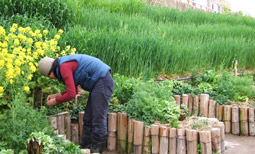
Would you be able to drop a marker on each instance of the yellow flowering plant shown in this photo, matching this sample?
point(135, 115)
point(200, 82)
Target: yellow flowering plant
point(20, 50)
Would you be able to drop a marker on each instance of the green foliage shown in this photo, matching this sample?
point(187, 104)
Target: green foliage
point(55, 144)
point(235, 88)
point(56, 11)
point(134, 37)
point(19, 122)
point(151, 102)
point(124, 87)
point(35, 22)
point(3, 151)
point(180, 88)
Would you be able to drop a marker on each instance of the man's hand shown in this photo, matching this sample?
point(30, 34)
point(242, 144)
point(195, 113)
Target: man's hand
point(52, 102)
point(53, 96)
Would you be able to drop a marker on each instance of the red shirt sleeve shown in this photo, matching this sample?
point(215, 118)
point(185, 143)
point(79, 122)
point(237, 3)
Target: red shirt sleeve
point(66, 71)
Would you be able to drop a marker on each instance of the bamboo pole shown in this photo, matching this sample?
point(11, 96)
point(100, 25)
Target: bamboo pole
point(122, 132)
point(53, 122)
point(75, 133)
point(68, 127)
point(177, 100)
point(190, 103)
point(192, 141)
point(172, 141)
point(205, 140)
point(138, 139)
point(221, 126)
point(112, 129)
point(244, 121)
point(212, 107)
point(227, 118)
point(181, 141)
point(155, 139)
point(219, 112)
point(196, 106)
point(185, 99)
point(204, 100)
point(81, 115)
point(251, 122)
point(163, 147)
point(235, 120)
point(216, 140)
point(130, 135)
point(146, 141)
point(61, 124)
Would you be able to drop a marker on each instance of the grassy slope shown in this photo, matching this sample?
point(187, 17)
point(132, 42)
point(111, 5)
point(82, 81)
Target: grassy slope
point(133, 37)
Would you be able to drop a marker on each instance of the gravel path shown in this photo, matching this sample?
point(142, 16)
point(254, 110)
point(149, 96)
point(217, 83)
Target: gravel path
point(239, 144)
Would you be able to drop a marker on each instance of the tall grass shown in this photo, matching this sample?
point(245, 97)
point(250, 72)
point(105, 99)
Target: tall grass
point(164, 14)
point(135, 38)
point(55, 11)
point(134, 43)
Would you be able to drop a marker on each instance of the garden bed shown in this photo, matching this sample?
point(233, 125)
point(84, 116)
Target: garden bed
point(127, 135)
point(238, 120)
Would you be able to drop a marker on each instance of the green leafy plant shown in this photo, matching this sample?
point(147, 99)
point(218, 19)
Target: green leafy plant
point(19, 122)
point(151, 102)
point(55, 144)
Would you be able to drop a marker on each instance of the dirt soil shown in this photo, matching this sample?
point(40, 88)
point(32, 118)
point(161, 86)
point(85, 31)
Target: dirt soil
point(239, 144)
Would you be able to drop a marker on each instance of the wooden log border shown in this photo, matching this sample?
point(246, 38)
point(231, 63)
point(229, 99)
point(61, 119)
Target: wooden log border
point(237, 120)
point(134, 137)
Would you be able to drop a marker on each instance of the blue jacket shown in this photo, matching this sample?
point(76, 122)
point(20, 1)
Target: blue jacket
point(89, 70)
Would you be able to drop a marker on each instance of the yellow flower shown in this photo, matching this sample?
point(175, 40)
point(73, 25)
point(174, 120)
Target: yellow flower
point(37, 31)
point(35, 55)
point(17, 62)
point(26, 88)
point(38, 45)
point(57, 37)
point(40, 52)
point(73, 49)
point(30, 41)
point(27, 29)
point(45, 32)
point(5, 51)
point(2, 31)
point(33, 34)
point(40, 35)
point(12, 30)
point(1, 89)
point(60, 32)
point(33, 68)
point(29, 77)
point(11, 81)
point(68, 47)
point(22, 72)
point(16, 42)
point(14, 25)
point(1, 64)
point(21, 29)
point(4, 45)
point(6, 38)
point(63, 53)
